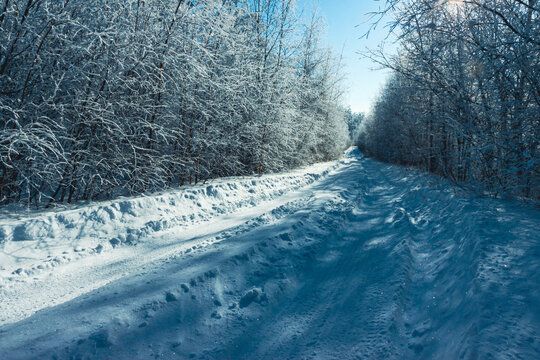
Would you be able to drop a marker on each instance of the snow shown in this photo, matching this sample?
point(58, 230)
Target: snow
point(354, 259)
point(29, 244)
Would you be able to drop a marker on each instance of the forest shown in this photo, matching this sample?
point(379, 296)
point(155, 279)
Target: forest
point(205, 179)
point(464, 98)
point(102, 98)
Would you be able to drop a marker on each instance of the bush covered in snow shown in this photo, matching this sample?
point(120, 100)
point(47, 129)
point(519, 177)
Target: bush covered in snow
point(100, 98)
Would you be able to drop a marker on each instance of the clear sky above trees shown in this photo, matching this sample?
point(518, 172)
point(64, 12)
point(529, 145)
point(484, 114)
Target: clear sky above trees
point(347, 21)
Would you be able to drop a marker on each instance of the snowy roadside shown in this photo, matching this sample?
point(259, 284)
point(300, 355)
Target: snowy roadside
point(31, 244)
point(117, 236)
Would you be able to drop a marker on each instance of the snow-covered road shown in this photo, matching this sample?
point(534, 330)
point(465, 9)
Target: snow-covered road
point(370, 261)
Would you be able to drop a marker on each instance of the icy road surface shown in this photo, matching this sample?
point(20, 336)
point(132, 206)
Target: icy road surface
point(370, 261)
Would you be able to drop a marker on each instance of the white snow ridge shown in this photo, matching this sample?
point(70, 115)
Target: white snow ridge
point(346, 260)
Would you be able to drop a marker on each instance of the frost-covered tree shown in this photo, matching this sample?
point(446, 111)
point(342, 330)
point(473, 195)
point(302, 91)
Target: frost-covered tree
point(100, 98)
point(464, 101)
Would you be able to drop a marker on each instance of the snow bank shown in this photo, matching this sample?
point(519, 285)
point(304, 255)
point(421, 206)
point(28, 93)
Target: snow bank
point(63, 235)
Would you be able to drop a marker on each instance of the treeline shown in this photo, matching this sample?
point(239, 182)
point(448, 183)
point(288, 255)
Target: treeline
point(100, 98)
point(464, 101)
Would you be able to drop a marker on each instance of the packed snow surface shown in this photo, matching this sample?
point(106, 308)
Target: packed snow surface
point(347, 260)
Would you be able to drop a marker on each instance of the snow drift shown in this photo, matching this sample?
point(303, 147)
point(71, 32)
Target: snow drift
point(53, 235)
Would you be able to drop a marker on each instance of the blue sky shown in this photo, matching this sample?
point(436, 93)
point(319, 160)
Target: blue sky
point(346, 22)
